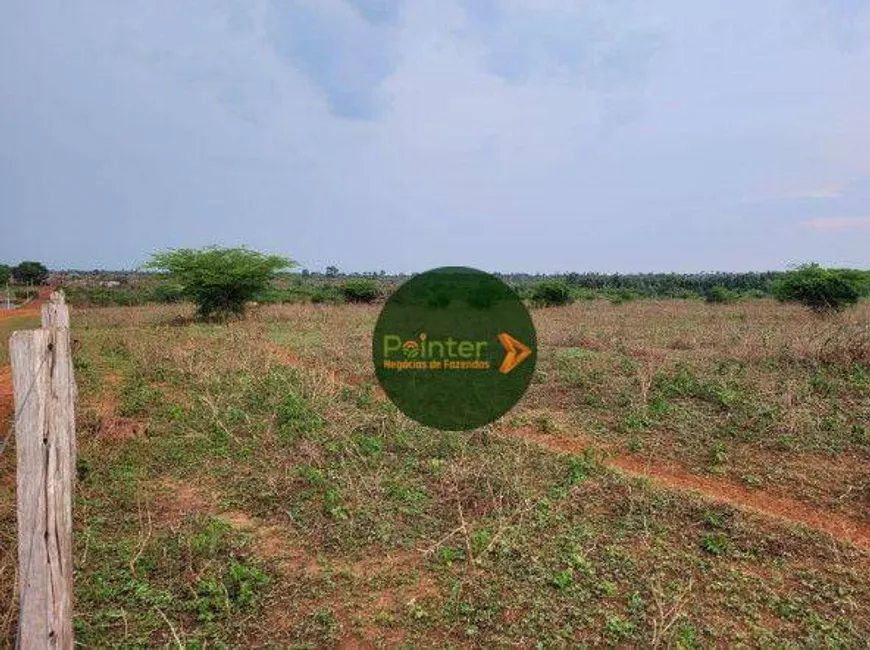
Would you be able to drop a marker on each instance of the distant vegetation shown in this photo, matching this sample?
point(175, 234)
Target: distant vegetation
point(30, 273)
point(101, 288)
point(550, 293)
point(720, 295)
point(360, 291)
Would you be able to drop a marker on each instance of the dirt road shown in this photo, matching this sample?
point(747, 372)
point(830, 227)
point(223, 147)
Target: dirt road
point(6, 403)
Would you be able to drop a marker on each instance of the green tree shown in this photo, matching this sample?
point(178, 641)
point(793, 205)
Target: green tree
point(5, 273)
point(219, 280)
point(822, 290)
point(30, 273)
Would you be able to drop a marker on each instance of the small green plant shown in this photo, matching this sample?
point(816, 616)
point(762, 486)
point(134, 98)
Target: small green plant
point(550, 293)
point(617, 627)
point(295, 417)
point(714, 543)
point(563, 579)
point(606, 588)
point(579, 467)
point(449, 554)
point(243, 584)
point(712, 518)
point(718, 453)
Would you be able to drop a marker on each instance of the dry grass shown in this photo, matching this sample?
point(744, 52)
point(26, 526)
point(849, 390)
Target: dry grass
point(264, 494)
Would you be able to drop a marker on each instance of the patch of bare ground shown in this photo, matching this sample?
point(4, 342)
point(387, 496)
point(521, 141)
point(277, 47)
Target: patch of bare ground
point(116, 427)
point(838, 483)
point(274, 543)
point(391, 581)
point(556, 442)
point(178, 500)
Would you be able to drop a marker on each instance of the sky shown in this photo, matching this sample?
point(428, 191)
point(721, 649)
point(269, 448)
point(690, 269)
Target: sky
point(506, 135)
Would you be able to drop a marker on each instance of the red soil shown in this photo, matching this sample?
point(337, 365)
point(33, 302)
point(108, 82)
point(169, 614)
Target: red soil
point(6, 401)
point(784, 508)
point(673, 477)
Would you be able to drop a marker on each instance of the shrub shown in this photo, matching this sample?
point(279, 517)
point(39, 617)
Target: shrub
point(360, 291)
point(168, 293)
point(550, 293)
point(106, 297)
point(620, 296)
point(822, 290)
point(325, 294)
point(219, 280)
point(24, 293)
point(720, 295)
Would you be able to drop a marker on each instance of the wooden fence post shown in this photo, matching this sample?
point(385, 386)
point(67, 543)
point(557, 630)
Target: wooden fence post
point(44, 389)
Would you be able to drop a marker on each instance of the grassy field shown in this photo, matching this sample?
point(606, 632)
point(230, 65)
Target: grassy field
point(11, 323)
point(678, 475)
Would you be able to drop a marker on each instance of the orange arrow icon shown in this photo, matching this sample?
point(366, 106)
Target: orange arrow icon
point(516, 352)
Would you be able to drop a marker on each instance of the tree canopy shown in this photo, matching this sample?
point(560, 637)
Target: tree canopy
point(219, 280)
point(30, 273)
point(822, 290)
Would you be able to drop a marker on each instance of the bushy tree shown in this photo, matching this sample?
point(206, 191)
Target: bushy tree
point(720, 295)
point(5, 273)
point(30, 273)
point(219, 280)
point(822, 290)
point(360, 291)
point(550, 293)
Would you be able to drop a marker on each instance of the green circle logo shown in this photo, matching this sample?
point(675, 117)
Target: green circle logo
point(454, 348)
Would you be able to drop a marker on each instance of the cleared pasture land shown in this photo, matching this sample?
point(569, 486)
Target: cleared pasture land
point(249, 484)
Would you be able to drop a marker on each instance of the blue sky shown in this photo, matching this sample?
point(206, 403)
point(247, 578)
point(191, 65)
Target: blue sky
point(538, 135)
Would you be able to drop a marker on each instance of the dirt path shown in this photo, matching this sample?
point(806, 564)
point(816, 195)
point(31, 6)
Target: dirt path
point(761, 501)
point(667, 476)
point(6, 402)
point(673, 477)
point(670, 476)
point(32, 307)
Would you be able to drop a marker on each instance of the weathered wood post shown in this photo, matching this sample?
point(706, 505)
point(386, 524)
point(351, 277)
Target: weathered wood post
point(44, 390)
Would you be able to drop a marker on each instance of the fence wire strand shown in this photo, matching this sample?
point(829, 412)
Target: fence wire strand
point(19, 409)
